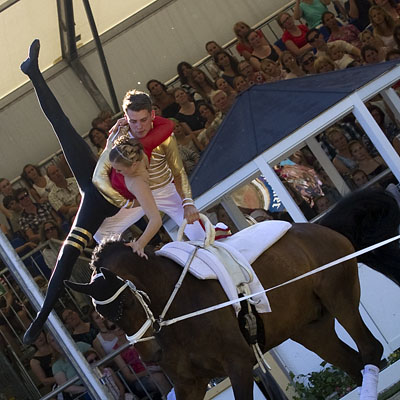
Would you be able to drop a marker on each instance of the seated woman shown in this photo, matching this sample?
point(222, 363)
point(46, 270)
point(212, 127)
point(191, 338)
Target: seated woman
point(261, 50)
point(202, 84)
point(272, 70)
point(349, 33)
point(212, 47)
point(290, 64)
point(164, 99)
point(213, 121)
point(228, 65)
point(370, 55)
point(324, 64)
point(184, 70)
point(242, 46)
point(98, 138)
point(311, 11)
point(39, 185)
point(294, 36)
point(81, 331)
point(94, 207)
point(367, 38)
point(383, 26)
point(343, 160)
point(222, 84)
point(188, 150)
point(188, 112)
point(240, 84)
point(391, 7)
point(307, 63)
point(42, 361)
point(252, 76)
point(62, 368)
point(372, 166)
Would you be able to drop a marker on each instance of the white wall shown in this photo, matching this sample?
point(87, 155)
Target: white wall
point(150, 49)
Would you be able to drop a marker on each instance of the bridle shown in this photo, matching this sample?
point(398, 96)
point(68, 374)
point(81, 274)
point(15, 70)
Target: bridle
point(140, 296)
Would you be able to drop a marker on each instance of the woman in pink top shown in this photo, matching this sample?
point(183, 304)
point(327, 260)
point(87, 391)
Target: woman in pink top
point(294, 36)
point(349, 33)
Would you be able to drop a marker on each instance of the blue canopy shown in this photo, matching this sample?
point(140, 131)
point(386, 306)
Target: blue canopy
point(264, 114)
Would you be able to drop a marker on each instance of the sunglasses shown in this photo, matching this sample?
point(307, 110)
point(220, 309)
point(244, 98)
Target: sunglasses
point(23, 197)
point(92, 360)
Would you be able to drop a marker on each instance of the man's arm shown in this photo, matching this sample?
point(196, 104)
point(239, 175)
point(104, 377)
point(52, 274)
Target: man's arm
point(181, 180)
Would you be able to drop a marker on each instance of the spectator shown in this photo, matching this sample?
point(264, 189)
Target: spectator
point(107, 117)
point(162, 98)
point(63, 370)
point(383, 26)
point(208, 114)
point(212, 48)
point(359, 178)
point(240, 83)
point(252, 77)
point(220, 101)
point(188, 112)
point(33, 215)
point(42, 361)
point(294, 36)
point(321, 204)
point(367, 38)
point(272, 70)
point(50, 230)
point(391, 7)
point(6, 190)
point(339, 57)
point(227, 64)
point(214, 120)
point(108, 376)
point(349, 33)
point(39, 185)
point(222, 84)
point(242, 46)
point(290, 64)
point(157, 110)
point(81, 331)
point(372, 166)
point(64, 197)
point(307, 63)
point(317, 41)
point(99, 123)
point(98, 138)
point(184, 70)
point(202, 83)
point(358, 12)
point(370, 54)
point(14, 209)
point(343, 160)
point(261, 49)
point(391, 131)
point(186, 138)
point(311, 11)
point(132, 358)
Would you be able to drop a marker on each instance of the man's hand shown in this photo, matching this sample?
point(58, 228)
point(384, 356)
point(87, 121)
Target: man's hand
point(191, 214)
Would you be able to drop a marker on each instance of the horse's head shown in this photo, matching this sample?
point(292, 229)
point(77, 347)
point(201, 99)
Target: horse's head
point(115, 300)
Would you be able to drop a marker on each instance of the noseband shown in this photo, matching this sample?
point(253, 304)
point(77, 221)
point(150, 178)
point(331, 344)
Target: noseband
point(140, 295)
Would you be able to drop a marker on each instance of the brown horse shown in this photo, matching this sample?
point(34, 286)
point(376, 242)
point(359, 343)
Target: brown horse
point(211, 345)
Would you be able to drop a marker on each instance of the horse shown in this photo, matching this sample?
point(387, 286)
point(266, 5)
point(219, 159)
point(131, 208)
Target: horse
point(198, 349)
point(367, 217)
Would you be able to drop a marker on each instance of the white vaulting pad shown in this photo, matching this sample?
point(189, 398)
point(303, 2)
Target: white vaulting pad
point(206, 265)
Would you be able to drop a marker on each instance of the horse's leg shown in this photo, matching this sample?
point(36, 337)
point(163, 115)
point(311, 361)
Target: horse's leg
point(321, 338)
point(191, 389)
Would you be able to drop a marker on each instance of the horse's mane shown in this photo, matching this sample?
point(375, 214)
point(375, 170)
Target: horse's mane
point(104, 249)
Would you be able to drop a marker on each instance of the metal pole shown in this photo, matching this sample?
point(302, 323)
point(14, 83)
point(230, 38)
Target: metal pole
point(103, 61)
point(29, 287)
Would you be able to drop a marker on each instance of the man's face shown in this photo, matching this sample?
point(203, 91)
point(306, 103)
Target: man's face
point(55, 174)
point(6, 188)
point(316, 40)
point(140, 122)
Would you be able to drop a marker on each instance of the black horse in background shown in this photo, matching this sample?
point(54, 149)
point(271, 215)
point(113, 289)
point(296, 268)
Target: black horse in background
point(367, 217)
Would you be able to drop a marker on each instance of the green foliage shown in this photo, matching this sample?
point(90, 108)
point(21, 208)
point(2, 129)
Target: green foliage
point(395, 356)
point(329, 383)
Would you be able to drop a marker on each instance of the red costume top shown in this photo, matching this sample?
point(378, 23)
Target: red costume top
point(162, 129)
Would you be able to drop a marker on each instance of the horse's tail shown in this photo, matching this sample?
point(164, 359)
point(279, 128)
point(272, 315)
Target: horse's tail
point(367, 217)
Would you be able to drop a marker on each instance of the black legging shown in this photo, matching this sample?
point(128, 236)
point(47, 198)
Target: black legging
point(93, 208)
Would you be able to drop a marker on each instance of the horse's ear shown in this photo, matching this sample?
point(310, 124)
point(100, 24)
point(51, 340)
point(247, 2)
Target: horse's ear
point(79, 287)
point(108, 274)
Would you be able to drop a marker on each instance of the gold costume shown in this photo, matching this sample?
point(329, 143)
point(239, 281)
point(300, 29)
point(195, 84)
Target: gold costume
point(165, 166)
